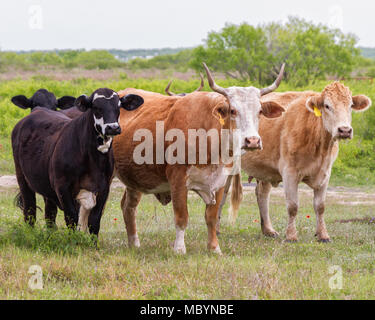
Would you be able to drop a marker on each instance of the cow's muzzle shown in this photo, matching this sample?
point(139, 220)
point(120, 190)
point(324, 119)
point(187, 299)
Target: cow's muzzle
point(344, 132)
point(112, 130)
point(252, 143)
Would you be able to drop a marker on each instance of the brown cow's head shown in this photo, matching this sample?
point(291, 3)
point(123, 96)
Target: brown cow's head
point(245, 108)
point(335, 105)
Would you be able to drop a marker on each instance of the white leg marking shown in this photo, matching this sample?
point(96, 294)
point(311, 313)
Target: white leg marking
point(179, 244)
point(217, 250)
point(87, 200)
point(133, 241)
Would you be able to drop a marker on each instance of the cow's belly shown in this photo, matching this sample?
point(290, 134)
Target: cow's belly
point(262, 171)
point(143, 178)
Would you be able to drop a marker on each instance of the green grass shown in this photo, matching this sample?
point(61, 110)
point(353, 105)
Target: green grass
point(252, 266)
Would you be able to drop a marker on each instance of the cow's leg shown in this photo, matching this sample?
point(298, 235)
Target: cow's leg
point(319, 200)
point(262, 191)
point(87, 201)
point(28, 200)
point(69, 205)
point(177, 180)
point(222, 202)
point(211, 215)
point(129, 204)
point(97, 212)
point(290, 181)
point(50, 213)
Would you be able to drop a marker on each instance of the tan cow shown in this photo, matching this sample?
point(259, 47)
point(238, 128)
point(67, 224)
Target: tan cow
point(227, 108)
point(302, 146)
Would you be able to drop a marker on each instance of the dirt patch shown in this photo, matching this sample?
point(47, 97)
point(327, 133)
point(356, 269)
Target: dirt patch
point(8, 182)
point(367, 220)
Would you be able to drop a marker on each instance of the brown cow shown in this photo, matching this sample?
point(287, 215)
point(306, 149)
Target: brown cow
point(301, 147)
point(211, 111)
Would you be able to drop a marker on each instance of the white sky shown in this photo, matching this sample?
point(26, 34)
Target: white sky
point(126, 24)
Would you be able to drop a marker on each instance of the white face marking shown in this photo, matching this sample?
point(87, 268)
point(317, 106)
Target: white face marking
point(336, 118)
point(103, 148)
point(100, 96)
point(246, 102)
point(100, 122)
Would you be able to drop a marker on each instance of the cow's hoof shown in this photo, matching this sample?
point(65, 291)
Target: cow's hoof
point(134, 242)
point(291, 240)
point(324, 240)
point(179, 249)
point(217, 251)
point(271, 233)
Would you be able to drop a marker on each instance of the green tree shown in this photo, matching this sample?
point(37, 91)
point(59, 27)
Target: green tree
point(310, 51)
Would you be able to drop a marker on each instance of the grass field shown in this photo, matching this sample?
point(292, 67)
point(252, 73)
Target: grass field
point(252, 266)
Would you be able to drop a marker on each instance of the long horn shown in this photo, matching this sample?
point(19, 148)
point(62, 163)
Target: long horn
point(202, 83)
point(212, 83)
point(276, 84)
point(167, 89)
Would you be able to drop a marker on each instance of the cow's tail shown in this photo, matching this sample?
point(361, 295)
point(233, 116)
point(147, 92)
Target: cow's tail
point(235, 199)
point(18, 201)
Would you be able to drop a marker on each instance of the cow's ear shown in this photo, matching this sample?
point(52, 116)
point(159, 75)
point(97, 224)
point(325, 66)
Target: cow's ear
point(314, 102)
point(361, 103)
point(66, 102)
point(82, 103)
point(221, 112)
point(131, 102)
point(22, 102)
point(272, 109)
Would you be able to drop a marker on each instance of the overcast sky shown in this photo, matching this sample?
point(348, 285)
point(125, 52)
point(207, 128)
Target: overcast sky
point(125, 24)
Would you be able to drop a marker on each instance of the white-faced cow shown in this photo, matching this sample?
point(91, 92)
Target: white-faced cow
point(210, 112)
point(168, 92)
point(302, 146)
point(69, 161)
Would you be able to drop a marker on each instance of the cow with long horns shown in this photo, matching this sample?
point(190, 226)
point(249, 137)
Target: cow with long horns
point(226, 108)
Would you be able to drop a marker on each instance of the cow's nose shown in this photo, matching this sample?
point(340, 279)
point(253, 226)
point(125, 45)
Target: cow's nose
point(345, 132)
point(112, 130)
point(252, 143)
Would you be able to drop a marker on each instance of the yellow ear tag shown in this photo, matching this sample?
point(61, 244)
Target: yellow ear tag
point(317, 112)
point(221, 120)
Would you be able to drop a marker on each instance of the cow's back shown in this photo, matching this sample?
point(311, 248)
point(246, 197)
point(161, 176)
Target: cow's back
point(33, 142)
point(156, 107)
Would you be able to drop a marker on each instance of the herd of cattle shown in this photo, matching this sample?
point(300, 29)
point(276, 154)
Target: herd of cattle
point(70, 155)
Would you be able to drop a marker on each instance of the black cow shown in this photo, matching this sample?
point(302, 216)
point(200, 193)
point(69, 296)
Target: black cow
point(69, 161)
point(44, 99)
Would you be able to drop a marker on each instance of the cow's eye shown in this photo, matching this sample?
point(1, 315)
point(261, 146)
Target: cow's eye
point(233, 112)
point(327, 107)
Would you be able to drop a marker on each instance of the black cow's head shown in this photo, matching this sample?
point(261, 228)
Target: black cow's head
point(45, 99)
point(105, 105)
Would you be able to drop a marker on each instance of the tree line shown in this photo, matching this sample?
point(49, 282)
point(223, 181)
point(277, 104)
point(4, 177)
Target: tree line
point(241, 52)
